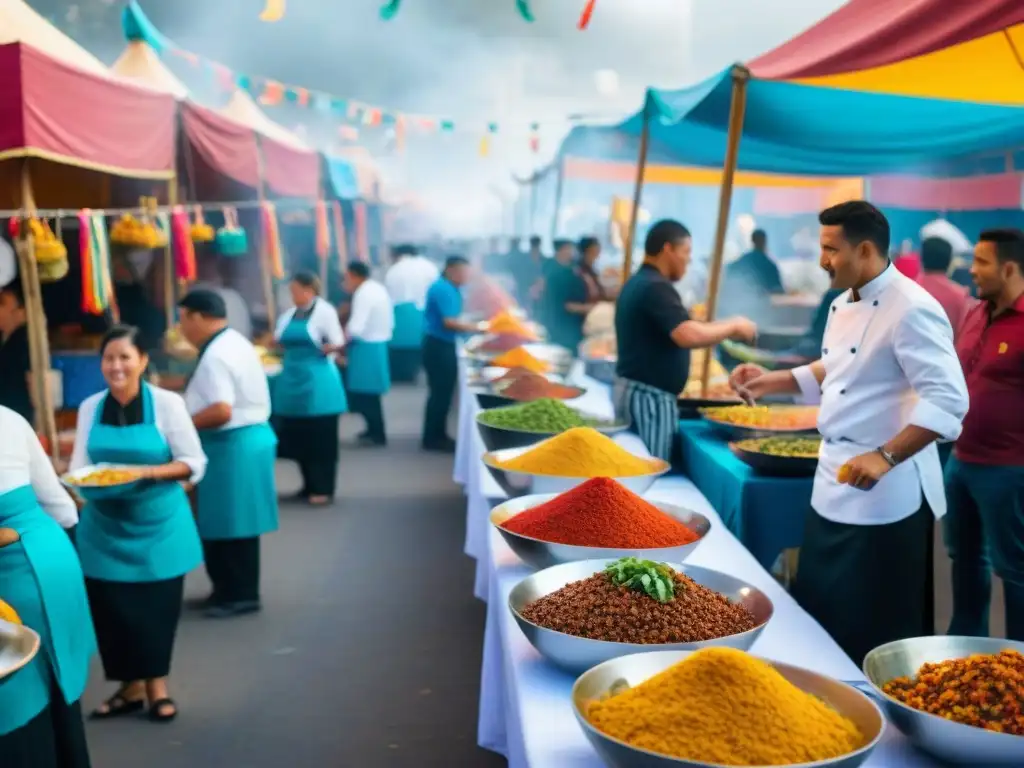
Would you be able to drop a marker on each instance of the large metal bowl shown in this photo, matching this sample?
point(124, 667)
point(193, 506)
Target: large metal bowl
point(945, 739)
point(500, 438)
point(488, 397)
point(638, 668)
point(576, 654)
point(517, 484)
point(18, 646)
point(736, 432)
point(776, 466)
point(544, 554)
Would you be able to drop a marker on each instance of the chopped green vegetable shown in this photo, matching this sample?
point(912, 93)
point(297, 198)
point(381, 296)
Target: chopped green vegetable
point(653, 579)
point(546, 415)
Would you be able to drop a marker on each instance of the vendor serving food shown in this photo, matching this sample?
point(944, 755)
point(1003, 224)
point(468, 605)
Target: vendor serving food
point(890, 386)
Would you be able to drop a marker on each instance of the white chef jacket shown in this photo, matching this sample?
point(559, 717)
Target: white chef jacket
point(230, 371)
point(373, 317)
point(23, 462)
point(889, 362)
point(172, 421)
point(323, 325)
point(409, 279)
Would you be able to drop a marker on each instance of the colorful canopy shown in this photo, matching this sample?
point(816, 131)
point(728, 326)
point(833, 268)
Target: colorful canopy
point(971, 51)
point(354, 174)
point(79, 112)
point(140, 63)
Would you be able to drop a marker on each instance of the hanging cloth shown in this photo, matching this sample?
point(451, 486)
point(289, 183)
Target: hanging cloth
point(181, 241)
point(272, 239)
point(340, 235)
point(323, 231)
point(94, 253)
point(362, 236)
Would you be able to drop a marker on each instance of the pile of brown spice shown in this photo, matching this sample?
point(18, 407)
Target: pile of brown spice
point(534, 386)
point(984, 691)
point(597, 609)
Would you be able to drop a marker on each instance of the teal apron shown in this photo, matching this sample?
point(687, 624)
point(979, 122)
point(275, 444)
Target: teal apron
point(237, 498)
point(40, 578)
point(369, 371)
point(408, 333)
point(150, 535)
point(309, 383)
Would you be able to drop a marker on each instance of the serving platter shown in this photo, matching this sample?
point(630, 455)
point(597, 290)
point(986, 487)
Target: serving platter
point(18, 646)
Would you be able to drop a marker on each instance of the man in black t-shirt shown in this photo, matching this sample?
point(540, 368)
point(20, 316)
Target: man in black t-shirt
point(15, 363)
point(655, 335)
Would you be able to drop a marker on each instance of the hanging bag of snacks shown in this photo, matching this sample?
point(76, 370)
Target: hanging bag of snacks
point(51, 253)
point(231, 238)
point(201, 231)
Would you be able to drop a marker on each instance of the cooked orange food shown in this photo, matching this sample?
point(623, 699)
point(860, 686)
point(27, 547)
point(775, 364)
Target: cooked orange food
point(105, 477)
point(782, 418)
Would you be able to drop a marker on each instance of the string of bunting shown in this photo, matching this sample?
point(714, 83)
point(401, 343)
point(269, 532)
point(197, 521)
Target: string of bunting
point(274, 10)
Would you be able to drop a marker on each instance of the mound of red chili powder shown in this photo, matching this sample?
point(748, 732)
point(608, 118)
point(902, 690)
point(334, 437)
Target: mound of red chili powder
point(601, 513)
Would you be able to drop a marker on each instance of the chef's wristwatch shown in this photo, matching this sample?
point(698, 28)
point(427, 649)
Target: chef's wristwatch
point(889, 458)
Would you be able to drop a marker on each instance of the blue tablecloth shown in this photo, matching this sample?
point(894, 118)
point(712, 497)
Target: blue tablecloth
point(765, 513)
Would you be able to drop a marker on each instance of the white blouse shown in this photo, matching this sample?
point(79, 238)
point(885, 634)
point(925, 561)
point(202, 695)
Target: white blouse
point(172, 421)
point(23, 462)
point(323, 326)
point(373, 317)
point(230, 372)
point(409, 279)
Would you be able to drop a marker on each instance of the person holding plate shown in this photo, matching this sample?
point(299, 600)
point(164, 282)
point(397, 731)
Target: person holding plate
point(136, 547)
point(309, 396)
point(41, 581)
point(236, 502)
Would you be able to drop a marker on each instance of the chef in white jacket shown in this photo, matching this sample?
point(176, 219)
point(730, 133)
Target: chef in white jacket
point(407, 281)
point(236, 502)
point(889, 386)
point(370, 327)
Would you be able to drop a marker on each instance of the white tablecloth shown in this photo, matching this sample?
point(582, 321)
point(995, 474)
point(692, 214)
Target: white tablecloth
point(525, 708)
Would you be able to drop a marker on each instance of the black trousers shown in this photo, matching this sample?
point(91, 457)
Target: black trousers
point(370, 408)
point(405, 364)
point(55, 738)
point(442, 367)
point(312, 441)
point(233, 566)
point(868, 585)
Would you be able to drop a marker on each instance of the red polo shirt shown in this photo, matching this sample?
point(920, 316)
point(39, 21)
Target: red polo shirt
point(991, 352)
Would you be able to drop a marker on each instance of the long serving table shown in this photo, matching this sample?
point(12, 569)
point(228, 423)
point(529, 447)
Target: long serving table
point(525, 707)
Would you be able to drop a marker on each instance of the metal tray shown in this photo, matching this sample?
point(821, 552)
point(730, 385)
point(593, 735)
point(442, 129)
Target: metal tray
point(777, 466)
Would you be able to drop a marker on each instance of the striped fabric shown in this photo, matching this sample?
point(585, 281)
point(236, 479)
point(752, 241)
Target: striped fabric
point(652, 412)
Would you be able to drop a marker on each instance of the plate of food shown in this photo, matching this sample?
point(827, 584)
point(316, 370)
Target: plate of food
point(740, 422)
point(781, 456)
point(99, 482)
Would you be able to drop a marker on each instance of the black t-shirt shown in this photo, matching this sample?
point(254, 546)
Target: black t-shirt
point(648, 310)
point(14, 369)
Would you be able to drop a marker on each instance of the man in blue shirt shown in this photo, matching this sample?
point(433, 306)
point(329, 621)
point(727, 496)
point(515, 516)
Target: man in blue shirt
point(441, 327)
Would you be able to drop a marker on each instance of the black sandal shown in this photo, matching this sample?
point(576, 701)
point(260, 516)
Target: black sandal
point(118, 706)
point(158, 716)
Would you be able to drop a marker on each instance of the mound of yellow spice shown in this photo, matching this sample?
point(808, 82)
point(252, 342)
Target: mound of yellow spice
point(723, 706)
point(579, 452)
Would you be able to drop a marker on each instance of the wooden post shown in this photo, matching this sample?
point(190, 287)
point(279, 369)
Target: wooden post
point(558, 199)
point(38, 341)
point(170, 297)
point(737, 107)
point(264, 254)
point(641, 167)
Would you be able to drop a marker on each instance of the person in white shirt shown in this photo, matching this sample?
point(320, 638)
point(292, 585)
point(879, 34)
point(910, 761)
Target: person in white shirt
point(137, 546)
point(407, 281)
point(370, 328)
point(308, 396)
point(41, 581)
point(889, 385)
point(236, 503)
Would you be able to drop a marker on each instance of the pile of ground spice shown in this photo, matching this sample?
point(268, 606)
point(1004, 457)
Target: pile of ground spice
point(726, 707)
point(597, 609)
point(544, 416)
point(579, 452)
point(503, 342)
point(601, 513)
point(520, 357)
point(533, 386)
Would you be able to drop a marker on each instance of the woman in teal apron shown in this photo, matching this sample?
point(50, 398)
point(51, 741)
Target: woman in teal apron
point(136, 548)
point(236, 502)
point(41, 579)
point(407, 286)
point(368, 370)
point(309, 397)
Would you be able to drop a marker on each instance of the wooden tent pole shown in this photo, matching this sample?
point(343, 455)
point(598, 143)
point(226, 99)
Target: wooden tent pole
point(38, 341)
point(264, 254)
point(737, 108)
point(558, 199)
point(634, 215)
point(170, 298)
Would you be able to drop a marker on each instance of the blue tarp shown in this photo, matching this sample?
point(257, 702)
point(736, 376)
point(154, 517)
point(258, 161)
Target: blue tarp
point(343, 177)
point(806, 130)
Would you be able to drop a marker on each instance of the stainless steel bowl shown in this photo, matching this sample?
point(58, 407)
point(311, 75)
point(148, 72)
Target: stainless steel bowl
point(737, 432)
point(576, 654)
point(18, 646)
point(517, 484)
point(632, 670)
point(946, 740)
point(500, 438)
point(543, 554)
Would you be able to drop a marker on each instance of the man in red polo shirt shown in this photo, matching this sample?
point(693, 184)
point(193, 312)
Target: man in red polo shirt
point(984, 529)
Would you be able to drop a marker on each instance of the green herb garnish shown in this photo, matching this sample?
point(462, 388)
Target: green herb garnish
point(653, 579)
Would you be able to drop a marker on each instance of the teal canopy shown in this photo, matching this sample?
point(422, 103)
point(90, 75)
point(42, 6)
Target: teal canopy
point(343, 177)
point(806, 130)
